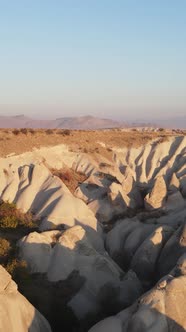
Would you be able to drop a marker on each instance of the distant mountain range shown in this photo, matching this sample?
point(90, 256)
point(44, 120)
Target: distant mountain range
point(176, 122)
point(86, 122)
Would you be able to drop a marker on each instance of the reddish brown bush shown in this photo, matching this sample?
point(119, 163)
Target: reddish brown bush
point(16, 132)
point(70, 177)
point(24, 131)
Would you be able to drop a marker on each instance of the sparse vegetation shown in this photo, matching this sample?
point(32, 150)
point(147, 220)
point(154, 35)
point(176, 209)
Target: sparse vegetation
point(70, 177)
point(14, 141)
point(31, 131)
point(18, 269)
point(24, 131)
point(4, 249)
point(14, 224)
point(43, 294)
point(16, 131)
point(49, 131)
point(103, 165)
point(12, 218)
point(64, 132)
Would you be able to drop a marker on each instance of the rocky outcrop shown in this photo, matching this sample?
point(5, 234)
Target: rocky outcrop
point(162, 309)
point(174, 248)
point(146, 182)
point(146, 256)
point(33, 188)
point(16, 313)
point(151, 250)
point(136, 178)
point(157, 196)
point(118, 196)
point(59, 254)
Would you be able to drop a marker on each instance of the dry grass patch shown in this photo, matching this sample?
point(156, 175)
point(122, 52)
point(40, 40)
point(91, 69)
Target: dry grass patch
point(70, 177)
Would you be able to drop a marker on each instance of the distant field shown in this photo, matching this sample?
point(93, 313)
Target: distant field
point(99, 141)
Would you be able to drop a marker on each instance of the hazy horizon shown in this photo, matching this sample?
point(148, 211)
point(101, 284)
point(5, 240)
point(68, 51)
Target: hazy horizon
point(120, 60)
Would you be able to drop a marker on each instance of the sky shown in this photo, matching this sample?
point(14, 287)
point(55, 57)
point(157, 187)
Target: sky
point(109, 58)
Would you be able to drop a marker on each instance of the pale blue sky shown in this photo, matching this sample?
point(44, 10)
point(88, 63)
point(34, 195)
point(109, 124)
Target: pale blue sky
point(112, 58)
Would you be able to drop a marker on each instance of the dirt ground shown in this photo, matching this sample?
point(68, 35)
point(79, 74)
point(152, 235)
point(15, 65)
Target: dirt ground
point(20, 141)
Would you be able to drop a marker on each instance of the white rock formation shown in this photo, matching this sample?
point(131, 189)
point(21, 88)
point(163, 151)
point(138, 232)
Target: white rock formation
point(157, 197)
point(34, 188)
point(58, 254)
point(16, 313)
point(151, 178)
point(162, 309)
point(154, 159)
point(118, 196)
point(151, 250)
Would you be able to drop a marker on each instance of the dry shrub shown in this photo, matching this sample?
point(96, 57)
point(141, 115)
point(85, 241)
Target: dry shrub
point(63, 174)
point(64, 132)
point(24, 131)
point(16, 132)
point(4, 247)
point(70, 177)
point(18, 270)
point(31, 131)
point(162, 139)
point(11, 217)
point(5, 171)
point(49, 131)
point(103, 165)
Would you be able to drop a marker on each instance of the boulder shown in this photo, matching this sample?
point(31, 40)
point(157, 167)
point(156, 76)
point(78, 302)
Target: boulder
point(157, 196)
point(36, 250)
